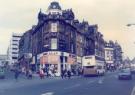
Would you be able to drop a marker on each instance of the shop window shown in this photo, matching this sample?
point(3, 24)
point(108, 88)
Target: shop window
point(66, 59)
point(61, 59)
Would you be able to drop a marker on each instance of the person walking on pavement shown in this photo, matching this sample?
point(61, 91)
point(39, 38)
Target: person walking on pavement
point(62, 73)
point(16, 74)
point(30, 74)
point(65, 73)
point(47, 71)
point(41, 74)
point(69, 74)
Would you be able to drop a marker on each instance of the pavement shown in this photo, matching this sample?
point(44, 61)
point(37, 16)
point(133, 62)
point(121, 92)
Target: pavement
point(103, 85)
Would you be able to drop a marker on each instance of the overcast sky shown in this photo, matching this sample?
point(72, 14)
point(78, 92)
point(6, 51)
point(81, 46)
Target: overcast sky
point(110, 15)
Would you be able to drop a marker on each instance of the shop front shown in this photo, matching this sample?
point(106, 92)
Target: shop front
point(57, 60)
point(51, 61)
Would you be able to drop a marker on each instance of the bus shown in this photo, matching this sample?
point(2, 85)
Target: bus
point(91, 66)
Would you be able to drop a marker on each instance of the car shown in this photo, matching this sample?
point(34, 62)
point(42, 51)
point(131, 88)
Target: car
point(124, 74)
point(2, 73)
point(132, 71)
point(132, 66)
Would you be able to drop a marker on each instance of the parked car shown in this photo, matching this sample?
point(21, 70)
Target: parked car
point(133, 71)
point(133, 68)
point(125, 74)
point(2, 73)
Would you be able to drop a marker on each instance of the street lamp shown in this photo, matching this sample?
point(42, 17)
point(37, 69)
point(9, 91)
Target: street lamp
point(46, 45)
point(130, 24)
point(27, 57)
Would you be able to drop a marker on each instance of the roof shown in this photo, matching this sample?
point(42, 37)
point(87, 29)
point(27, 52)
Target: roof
point(54, 5)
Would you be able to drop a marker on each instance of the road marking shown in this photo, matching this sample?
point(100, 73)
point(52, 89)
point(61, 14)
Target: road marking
point(48, 93)
point(115, 76)
point(74, 86)
point(133, 91)
point(91, 81)
point(100, 80)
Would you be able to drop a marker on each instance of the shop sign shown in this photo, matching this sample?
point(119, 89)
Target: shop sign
point(54, 53)
point(44, 59)
point(79, 59)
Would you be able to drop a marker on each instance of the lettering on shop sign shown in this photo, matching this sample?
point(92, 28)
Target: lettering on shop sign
point(52, 53)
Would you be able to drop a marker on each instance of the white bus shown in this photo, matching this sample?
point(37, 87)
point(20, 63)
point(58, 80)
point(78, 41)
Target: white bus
point(91, 66)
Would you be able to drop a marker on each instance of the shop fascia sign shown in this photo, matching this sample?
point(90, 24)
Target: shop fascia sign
point(65, 54)
point(52, 53)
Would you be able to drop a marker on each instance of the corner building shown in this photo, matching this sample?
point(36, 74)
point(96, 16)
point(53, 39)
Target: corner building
point(60, 41)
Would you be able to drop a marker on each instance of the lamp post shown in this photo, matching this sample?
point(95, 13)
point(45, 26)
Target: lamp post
point(130, 24)
point(28, 56)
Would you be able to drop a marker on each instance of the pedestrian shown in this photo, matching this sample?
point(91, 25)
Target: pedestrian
point(69, 74)
point(27, 72)
point(47, 71)
point(30, 74)
point(62, 73)
point(16, 74)
point(50, 72)
point(41, 74)
point(65, 73)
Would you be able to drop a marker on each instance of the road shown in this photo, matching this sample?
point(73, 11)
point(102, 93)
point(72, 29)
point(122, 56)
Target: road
point(106, 85)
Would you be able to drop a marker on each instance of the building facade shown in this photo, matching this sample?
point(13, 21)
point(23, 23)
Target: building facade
point(117, 53)
point(3, 60)
point(13, 48)
point(60, 41)
point(109, 53)
point(113, 54)
point(25, 50)
point(94, 48)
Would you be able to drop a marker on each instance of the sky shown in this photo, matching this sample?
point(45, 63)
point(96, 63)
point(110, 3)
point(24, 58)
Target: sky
point(112, 16)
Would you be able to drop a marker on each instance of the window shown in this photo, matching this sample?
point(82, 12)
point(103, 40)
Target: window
point(14, 53)
point(54, 27)
point(53, 43)
point(72, 48)
point(15, 44)
point(15, 40)
point(14, 48)
point(14, 57)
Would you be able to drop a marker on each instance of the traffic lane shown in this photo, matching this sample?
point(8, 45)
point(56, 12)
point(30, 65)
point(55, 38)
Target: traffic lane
point(108, 85)
point(54, 86)
point(64, 84)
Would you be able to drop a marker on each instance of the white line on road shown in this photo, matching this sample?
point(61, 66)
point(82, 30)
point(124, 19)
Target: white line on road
point(89, 82)
point(133, 91)
point(48, 93)
point(101, 80)
point(116, 76)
